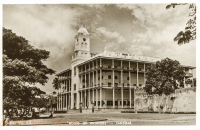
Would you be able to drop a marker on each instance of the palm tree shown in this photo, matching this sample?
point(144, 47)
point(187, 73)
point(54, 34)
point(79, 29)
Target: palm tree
point(56, 84)
point(183, 37)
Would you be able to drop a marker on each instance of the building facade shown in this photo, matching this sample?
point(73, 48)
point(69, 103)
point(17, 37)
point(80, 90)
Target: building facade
point(105, 80)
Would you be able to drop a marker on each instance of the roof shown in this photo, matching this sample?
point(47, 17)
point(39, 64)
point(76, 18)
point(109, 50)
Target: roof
point(122, 56)
point(83, 30)
point(128, 57)
point(190, 67)
point(63, 72)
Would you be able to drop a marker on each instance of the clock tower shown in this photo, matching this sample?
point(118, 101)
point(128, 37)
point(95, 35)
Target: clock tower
point(82, 43)
point(81, 54)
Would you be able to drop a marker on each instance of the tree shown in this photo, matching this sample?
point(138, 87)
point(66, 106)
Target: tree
point(56, 83)
point(22, 69)
point(163, 77)
point(190, 30)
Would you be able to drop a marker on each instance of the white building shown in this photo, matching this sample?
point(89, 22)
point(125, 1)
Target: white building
point(107, 79)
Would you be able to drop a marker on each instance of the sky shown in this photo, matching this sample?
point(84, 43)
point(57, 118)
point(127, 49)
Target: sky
point(141, 29)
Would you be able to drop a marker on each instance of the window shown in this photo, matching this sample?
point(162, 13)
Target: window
point(109, 84)
point(84, 39)
point(116, 77)
point(124, 102)
point(116, 103)
point(74, 86)
point(109, 76)
point(109, 103)
point(127, 78)
point(83, 80)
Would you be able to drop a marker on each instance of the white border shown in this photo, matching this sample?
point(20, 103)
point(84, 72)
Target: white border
point(197, 127)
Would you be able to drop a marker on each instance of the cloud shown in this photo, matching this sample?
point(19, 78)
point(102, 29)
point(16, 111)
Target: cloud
point(151, 15)
point(46, 27)
point(141, 29)
point(102, 31)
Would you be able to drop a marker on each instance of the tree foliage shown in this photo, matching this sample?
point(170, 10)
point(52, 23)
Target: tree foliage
point(164, 77)
point(56, 83)
point(190, 30)
point(22, 69)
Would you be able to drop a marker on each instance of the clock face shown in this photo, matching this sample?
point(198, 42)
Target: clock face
point(84, 39)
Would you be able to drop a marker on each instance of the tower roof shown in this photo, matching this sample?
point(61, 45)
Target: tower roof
point(83, 30)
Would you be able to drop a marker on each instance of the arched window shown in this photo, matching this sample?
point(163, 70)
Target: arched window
point(109, 76)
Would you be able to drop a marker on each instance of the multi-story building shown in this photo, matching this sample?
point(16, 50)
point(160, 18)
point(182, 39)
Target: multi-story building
point(105, 80)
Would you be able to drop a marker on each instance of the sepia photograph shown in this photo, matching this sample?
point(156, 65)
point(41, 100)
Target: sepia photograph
point(105, 64)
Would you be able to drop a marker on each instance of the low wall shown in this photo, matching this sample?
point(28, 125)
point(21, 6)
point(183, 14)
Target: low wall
point(183, 100)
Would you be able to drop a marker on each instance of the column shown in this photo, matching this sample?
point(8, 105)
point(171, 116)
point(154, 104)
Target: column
point(97, 84)
point(70, 101)
point(61, 102)
point(129, 75)
point(97, 74)
point(93, 75)
point(96, 98)
point(93, 84)
point(89, 77)
point(89, 89)
point(85, 101)
point(100, 93)
point(58, 100)
point(66, 102)
point(89, 99)
point(93, 95)
point(137, 75)
point(71, 96)
point(81, 96)
point(113, 82)
point(144, 76)
point(122, 88)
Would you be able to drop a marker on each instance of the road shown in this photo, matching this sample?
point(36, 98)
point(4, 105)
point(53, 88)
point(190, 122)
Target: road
point(128, 119)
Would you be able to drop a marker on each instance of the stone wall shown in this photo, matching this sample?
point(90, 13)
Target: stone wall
point(183, 100)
